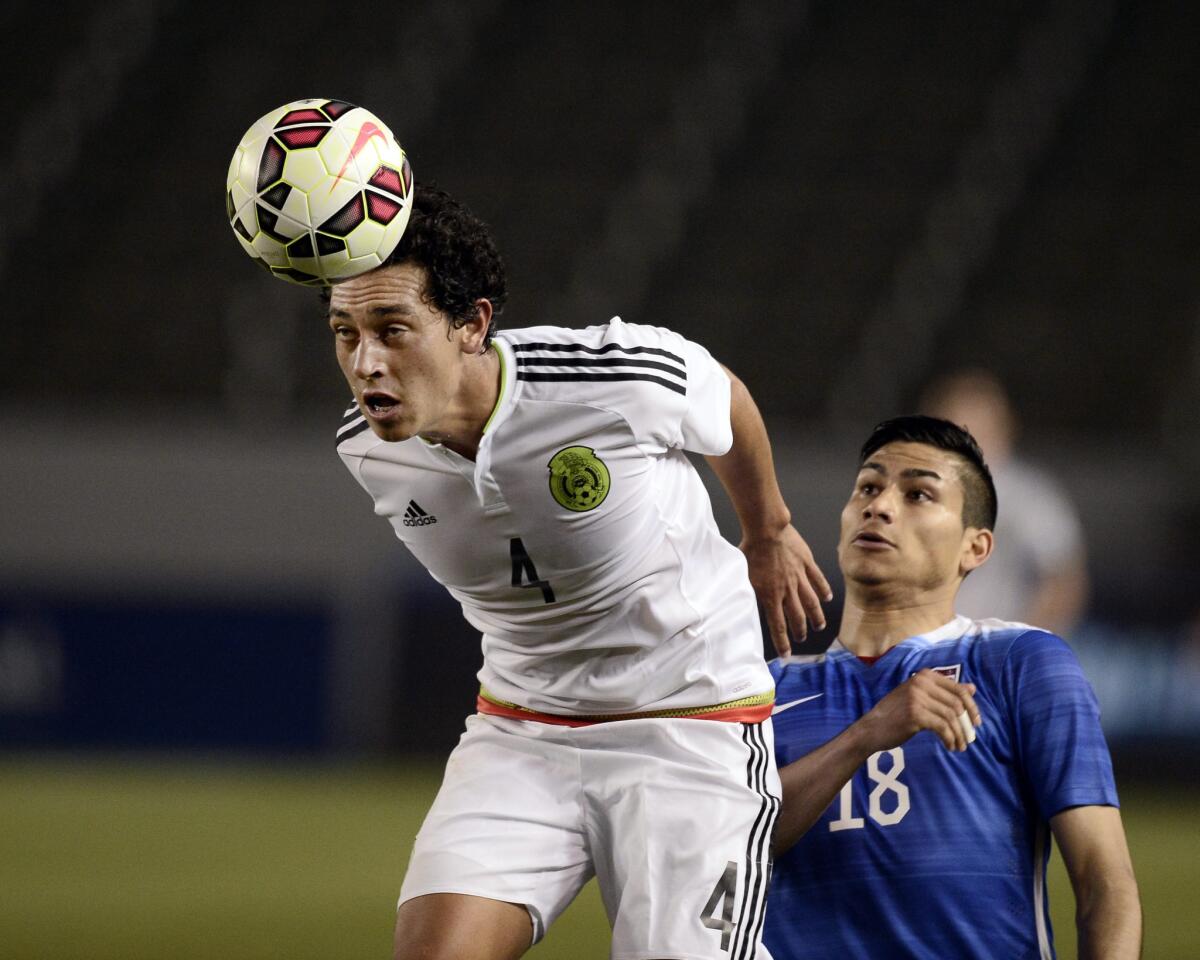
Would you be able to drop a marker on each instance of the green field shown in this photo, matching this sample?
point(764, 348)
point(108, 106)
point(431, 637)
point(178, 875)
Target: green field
point(125, 860)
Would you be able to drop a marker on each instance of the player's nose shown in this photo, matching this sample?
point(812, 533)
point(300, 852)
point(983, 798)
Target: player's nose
point(368, 360)
point(881, 507)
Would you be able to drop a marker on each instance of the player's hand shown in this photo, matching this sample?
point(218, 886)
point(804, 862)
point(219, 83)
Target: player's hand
point(789, 584)
point(926, 701)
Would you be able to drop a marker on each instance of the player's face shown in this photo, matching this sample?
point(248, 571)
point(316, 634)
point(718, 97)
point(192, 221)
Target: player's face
point(397, 351)
point(902, 525)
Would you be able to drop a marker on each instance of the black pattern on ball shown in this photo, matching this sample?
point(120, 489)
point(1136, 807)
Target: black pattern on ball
point(267, 222)
point(241, 229)
point(335, 108)
point(298, 275)
point(346, 219)
point(301, 248)
point(327, 245)
point(277, 195)
point(270, 165)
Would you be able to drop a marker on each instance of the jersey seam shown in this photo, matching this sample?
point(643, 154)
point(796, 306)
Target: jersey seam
point(1012, 643)
point(671, 531)
point(1011, 703)
point(595, 405)
point(361, 458)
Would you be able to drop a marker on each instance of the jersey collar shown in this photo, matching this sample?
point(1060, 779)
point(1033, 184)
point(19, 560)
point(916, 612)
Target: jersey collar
point(508, 378)
point(947, 631)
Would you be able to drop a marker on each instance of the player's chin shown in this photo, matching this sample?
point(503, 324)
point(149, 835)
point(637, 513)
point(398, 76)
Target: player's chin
point(867, 571)
point(390, 430)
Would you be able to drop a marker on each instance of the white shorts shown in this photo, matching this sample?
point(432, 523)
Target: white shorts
point(673, 817)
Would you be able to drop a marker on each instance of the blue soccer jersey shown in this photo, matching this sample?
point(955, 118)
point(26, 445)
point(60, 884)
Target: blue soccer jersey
point(927, 852)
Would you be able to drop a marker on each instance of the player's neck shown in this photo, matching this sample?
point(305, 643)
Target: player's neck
point(871, 626)
point(461, 429)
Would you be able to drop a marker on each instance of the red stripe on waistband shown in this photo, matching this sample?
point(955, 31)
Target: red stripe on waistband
point(750, 714)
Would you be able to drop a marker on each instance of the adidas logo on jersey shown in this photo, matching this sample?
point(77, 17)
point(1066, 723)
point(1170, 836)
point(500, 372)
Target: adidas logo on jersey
point(414, 516)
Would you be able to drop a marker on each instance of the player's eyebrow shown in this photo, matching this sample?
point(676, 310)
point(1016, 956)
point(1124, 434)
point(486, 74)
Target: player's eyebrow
point(383, 310)
point(909, 472)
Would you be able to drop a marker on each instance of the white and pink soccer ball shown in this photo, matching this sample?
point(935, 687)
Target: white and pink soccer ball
point(319, 191)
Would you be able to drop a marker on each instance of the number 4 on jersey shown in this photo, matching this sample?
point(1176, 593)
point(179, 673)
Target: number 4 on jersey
point(524, 573)
point(724, 893)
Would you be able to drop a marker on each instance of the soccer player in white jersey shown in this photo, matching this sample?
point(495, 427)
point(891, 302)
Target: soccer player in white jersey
point(929, 852)
point(623, 718)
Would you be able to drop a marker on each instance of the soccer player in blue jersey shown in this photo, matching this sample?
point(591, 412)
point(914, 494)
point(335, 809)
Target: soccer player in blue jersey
point(936, 846)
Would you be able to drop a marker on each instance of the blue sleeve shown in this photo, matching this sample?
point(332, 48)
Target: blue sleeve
point(1057, 723)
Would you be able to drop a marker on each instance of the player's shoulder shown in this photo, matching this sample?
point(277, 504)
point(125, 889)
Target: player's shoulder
point(354, 436)
point(356, 440)
point(615, 360)
point(612, 336)
point(992, 630)
point(1005, 643)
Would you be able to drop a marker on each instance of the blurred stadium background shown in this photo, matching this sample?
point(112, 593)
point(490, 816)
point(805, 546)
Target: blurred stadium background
point(224, 687)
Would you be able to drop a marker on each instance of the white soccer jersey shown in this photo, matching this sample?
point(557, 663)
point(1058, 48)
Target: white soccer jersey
point(581, 541)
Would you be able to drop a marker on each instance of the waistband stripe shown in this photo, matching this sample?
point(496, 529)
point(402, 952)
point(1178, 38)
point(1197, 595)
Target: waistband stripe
point(752, 709)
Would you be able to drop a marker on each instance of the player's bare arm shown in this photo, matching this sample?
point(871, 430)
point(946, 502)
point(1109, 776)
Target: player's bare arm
point(454, 926)
point(1108, 913)
point(789, 584)
point(927, 701)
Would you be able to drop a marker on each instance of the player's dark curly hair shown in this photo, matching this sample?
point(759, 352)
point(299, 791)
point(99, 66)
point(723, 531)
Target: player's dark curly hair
point(979, 491)
point(458, 253)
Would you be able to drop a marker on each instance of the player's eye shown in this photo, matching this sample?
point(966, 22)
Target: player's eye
point(919, 495)
point(394, 330)
point(867, 489)
point(343, 332)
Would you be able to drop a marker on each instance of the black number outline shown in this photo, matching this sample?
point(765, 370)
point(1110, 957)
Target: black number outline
point(726, 889)
point(523, 568)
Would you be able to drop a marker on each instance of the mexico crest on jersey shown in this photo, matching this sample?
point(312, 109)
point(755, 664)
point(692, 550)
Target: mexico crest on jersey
point(578, 478)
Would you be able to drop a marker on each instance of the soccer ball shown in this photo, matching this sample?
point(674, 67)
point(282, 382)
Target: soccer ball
point(319, 191)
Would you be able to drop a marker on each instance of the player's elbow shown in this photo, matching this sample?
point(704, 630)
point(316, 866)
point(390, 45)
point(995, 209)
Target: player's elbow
point(781, 842)
point(789, 829)
point(1108, 907)
point(1115, 887)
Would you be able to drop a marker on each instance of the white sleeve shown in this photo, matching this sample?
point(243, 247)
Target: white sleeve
point(706, 426)
point(693, 412)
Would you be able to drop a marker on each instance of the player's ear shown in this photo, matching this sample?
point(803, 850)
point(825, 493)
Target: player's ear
point(977, 546)
point(474, 331)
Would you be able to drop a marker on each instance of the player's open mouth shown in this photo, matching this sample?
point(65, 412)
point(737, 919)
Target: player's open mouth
point(872, 541)
point(379, 405)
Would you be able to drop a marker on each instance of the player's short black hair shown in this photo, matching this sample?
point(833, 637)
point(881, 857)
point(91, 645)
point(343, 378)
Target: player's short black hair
point(979, 490)
point(458, 253)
